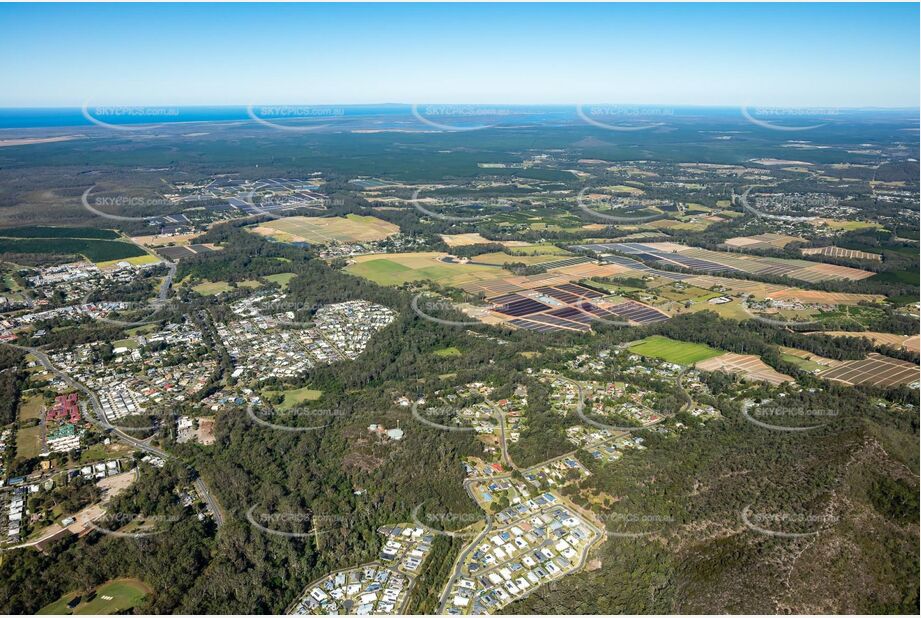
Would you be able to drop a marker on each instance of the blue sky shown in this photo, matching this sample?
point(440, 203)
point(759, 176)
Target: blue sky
point(851, 55)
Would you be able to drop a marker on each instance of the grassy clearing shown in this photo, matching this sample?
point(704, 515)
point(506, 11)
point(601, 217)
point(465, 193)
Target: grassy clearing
point(137, 261)
point(504, 258)
point(29, 442)
point(802, 363)
point(295, 396)
point(448, 352)
point(400, 268)
point(322, 230)
point(680, 352)
point(210, 288)
point(537, 250)
point(114, 596)
point(281, 279)
point(31, 408)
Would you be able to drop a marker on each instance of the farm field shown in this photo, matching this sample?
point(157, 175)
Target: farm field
point(504, 258)
point(464, 240)
point(534, 249)
point(749, 366)
point(670, 350)
point(400, 268)
point(323, 230)
point(875, 370)
point(137, 261)
point(97, 251)
point(907, 342)
point(112, 597)
point(833, 251)
point(705, 261)
point(34, 231)
point(848, 226)
point(762, 241)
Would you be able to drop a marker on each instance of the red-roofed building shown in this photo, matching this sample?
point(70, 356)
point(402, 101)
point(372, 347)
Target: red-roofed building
point(66, 408)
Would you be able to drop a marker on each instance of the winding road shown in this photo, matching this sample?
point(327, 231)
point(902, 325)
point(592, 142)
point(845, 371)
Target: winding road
point(98, 418)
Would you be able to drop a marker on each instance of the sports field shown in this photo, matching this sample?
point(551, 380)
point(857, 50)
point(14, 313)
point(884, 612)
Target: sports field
point(400, 268)
point(680, 352)
point(113, 597)
point(323, 230)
